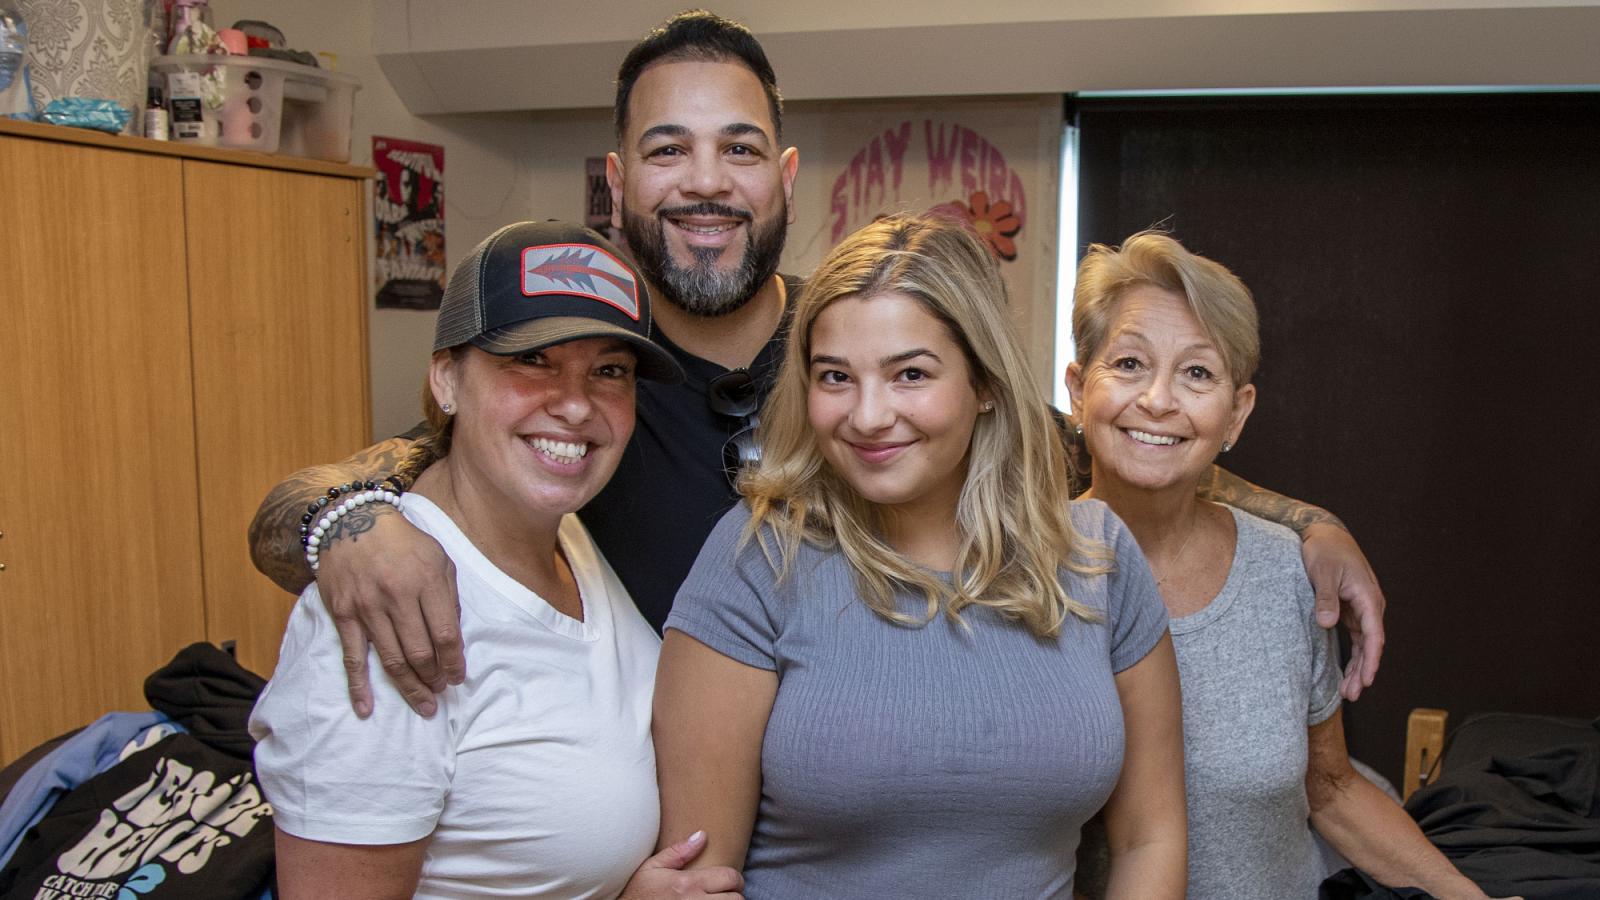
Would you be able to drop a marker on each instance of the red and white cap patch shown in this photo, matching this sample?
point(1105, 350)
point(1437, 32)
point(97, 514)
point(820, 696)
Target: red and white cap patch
point(579, 270)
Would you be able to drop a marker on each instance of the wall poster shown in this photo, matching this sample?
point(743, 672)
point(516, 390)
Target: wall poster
point(408, 209)
point(597, 202)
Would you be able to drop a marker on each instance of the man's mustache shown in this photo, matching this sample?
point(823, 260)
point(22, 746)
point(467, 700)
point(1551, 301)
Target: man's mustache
point(706, 208)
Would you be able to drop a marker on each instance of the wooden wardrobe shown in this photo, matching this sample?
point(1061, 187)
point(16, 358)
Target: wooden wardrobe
point(179, 328)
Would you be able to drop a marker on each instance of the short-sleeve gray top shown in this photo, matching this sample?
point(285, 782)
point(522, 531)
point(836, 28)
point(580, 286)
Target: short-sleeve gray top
point(922, 762)
point(1256, 672)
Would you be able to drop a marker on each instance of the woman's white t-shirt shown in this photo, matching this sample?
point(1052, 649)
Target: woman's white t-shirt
point(535, 778)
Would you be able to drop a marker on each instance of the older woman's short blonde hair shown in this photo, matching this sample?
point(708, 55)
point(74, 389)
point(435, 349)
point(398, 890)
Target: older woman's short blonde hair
point(1219, 299)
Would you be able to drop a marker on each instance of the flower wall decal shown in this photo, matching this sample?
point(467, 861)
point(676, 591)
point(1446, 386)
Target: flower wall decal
point(993, 222)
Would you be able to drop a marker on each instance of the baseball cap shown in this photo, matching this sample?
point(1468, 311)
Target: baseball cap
point(531, 285)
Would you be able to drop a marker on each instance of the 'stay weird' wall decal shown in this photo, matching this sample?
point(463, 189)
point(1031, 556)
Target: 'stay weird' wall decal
point(958, 164)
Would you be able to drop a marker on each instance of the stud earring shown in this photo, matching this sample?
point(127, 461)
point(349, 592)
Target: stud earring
point(445, 408)
point(1078, 428)
point(1226, 446)
point(988, 406)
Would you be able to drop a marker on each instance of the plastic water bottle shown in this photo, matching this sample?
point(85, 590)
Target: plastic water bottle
point(13, 40)
point(14, 97)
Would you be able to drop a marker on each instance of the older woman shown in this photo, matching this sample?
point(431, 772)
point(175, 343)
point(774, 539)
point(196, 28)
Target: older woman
point(905, 666)
point(1167, 345)
point(536, 777)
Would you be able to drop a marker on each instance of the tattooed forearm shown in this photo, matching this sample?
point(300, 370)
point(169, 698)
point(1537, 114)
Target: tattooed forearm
point(275, 530)
point(1225, 487)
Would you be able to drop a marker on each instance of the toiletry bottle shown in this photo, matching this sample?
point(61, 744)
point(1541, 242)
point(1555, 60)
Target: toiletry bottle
point(189, 120)
point(155, 115)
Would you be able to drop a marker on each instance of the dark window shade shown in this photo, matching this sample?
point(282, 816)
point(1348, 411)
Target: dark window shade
point(1428, 275)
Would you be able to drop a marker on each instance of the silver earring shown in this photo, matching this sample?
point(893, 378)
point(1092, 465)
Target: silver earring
point(1226, 446)
point(988, 406)
point(445, 408)
point(1078, 428)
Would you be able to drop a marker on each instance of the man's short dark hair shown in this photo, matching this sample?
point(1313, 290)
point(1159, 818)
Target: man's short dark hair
point(700, 36)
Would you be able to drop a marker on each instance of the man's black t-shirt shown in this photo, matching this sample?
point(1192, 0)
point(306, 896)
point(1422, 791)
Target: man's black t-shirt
point(671, 488)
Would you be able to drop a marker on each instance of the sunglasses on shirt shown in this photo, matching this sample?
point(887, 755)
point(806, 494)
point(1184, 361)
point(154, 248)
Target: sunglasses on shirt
point(733, 394)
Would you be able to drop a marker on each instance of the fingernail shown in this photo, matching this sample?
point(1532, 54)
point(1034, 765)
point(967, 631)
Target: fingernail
point(428, 709)
point(696, 838)
point(363, 709)
point(1327, 619)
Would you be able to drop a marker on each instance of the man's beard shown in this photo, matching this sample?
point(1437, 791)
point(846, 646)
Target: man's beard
point(702, 288)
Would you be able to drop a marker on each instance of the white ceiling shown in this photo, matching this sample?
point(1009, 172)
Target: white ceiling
point(498, 55)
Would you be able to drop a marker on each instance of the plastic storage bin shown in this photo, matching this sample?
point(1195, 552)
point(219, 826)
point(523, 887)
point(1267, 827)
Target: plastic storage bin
point(272, 106)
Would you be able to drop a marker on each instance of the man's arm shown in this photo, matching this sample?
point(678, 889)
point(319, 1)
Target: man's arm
point(1338, 570)
point(383, 580)
point(275, 531)
point(1222, 486)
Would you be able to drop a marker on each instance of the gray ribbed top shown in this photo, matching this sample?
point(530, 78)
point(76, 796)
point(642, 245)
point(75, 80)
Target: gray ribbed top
point(922, 762)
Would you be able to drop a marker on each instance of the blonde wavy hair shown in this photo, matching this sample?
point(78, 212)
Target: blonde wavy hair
point(1013, 516)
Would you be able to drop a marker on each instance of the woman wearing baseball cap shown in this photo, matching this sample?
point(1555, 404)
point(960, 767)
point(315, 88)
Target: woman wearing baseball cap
point(536, 776)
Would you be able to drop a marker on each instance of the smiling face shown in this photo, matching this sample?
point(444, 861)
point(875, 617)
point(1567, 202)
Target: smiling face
point(1155, 400)
point(892, 403)
point(539, 432)
point(700, 186)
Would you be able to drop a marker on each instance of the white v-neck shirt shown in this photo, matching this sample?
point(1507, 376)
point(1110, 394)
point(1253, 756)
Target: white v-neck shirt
point(535, 778)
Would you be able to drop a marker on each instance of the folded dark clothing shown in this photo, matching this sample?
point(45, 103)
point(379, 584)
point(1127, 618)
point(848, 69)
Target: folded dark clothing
point(1510, 830)
point(205, 690)
point(1565, 777)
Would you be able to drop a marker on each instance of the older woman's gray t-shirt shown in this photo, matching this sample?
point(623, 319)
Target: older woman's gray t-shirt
point(938, 761)
point(1256, 673)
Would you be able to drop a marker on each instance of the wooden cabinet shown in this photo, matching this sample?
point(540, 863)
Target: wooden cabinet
point(179, 328)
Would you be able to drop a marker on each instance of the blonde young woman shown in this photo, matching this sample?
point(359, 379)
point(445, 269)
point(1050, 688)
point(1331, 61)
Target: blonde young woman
point(906, 665)
point(1167, 344)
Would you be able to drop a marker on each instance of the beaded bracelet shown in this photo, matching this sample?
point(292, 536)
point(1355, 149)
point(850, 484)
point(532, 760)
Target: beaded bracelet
point(313, 540)
point(308, 520)
point(394, 483)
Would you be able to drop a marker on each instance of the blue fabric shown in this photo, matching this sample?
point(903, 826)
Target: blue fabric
point(86, 754)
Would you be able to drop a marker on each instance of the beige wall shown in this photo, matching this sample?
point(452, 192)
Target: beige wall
point(502, 167)
point(491, 163)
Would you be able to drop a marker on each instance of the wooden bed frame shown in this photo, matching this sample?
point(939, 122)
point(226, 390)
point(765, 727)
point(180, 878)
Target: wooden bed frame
point(1424, 742)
